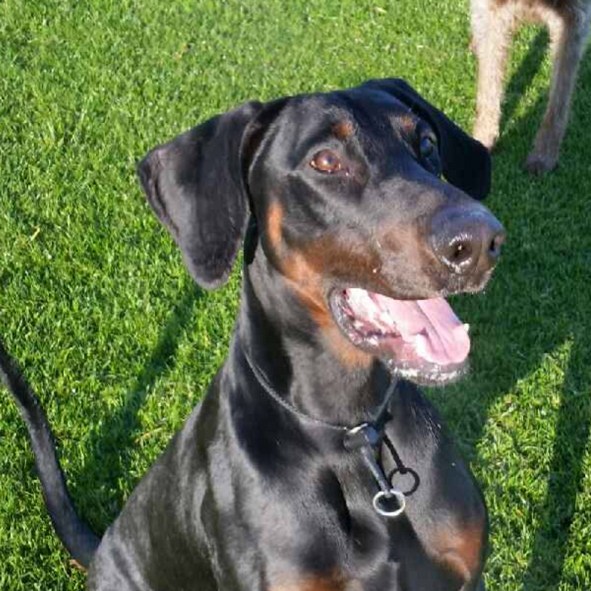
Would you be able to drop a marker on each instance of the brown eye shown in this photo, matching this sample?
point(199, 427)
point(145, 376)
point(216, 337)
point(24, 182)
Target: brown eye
point(326, 161)
point(427, 146)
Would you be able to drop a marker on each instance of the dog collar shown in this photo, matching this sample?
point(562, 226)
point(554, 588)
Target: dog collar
point(367, 439)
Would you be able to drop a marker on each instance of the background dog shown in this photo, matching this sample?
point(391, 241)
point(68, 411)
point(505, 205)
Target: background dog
point(493, 23)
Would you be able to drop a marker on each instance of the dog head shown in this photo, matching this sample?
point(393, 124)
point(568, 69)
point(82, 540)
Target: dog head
point(366, 203)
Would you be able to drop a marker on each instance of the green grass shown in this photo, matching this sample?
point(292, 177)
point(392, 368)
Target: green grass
point(95, 302)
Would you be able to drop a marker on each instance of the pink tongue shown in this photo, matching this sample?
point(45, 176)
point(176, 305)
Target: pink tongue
point(430, 326)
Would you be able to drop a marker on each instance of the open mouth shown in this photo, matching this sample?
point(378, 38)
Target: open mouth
point(422, 340)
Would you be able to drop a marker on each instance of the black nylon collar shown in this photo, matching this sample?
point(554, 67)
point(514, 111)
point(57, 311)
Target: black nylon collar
point(382, 415)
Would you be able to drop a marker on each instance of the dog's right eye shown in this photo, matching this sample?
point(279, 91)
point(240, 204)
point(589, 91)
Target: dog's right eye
point(428, 153)
point(427, 146)
point(326, 161)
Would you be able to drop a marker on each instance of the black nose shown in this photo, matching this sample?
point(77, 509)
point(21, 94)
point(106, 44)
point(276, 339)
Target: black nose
point(466, 239)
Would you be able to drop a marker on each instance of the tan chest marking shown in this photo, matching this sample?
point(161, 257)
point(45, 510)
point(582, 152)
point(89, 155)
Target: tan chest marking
point(461, 550)
point(319, 583)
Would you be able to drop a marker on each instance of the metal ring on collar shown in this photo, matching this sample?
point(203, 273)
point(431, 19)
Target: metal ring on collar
point(356, 429)
point(388, 494)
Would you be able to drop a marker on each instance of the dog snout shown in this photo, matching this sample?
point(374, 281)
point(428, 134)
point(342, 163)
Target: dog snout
point(466, 240)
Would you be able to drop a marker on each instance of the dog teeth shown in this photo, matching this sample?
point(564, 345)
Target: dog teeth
point(467, 327)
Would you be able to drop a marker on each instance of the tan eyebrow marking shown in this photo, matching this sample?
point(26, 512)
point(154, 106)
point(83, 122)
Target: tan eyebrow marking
point(343, 129)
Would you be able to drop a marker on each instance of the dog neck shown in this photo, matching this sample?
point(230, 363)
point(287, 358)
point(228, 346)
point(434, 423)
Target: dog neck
point(281, 338)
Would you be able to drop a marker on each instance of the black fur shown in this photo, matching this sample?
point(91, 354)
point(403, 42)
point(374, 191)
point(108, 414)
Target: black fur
point(192, 178)
point(464, 162)
point(249, 496)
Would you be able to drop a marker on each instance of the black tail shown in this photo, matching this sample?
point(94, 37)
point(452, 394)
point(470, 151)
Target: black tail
point(76, 536)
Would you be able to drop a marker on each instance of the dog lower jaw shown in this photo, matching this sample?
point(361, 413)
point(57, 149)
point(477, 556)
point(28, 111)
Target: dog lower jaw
point(431, 376)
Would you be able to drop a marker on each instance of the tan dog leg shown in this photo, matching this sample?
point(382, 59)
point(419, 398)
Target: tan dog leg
point(568, 34)
point(491, 35)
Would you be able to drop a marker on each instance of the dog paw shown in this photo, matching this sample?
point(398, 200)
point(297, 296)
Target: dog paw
point(537, 163)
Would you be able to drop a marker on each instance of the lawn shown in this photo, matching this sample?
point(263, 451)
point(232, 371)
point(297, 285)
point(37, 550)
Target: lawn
point(120, 344)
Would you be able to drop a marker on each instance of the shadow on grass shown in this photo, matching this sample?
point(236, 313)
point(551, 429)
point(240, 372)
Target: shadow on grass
point(546, 565)
point(538, 307)
point(112, 444)
point(524, 75)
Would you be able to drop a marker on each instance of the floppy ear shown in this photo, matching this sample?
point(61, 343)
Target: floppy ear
point(465, 161)
point(195, 185)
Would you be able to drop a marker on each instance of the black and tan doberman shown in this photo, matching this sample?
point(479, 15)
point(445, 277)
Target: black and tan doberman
point(313, 463)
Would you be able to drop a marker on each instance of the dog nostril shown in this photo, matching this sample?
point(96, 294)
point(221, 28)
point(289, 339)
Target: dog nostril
point(466, 240)
point(459, 252)
point(494, 248)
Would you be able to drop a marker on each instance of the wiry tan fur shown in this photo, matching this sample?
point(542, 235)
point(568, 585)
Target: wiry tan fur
point(493, 23)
